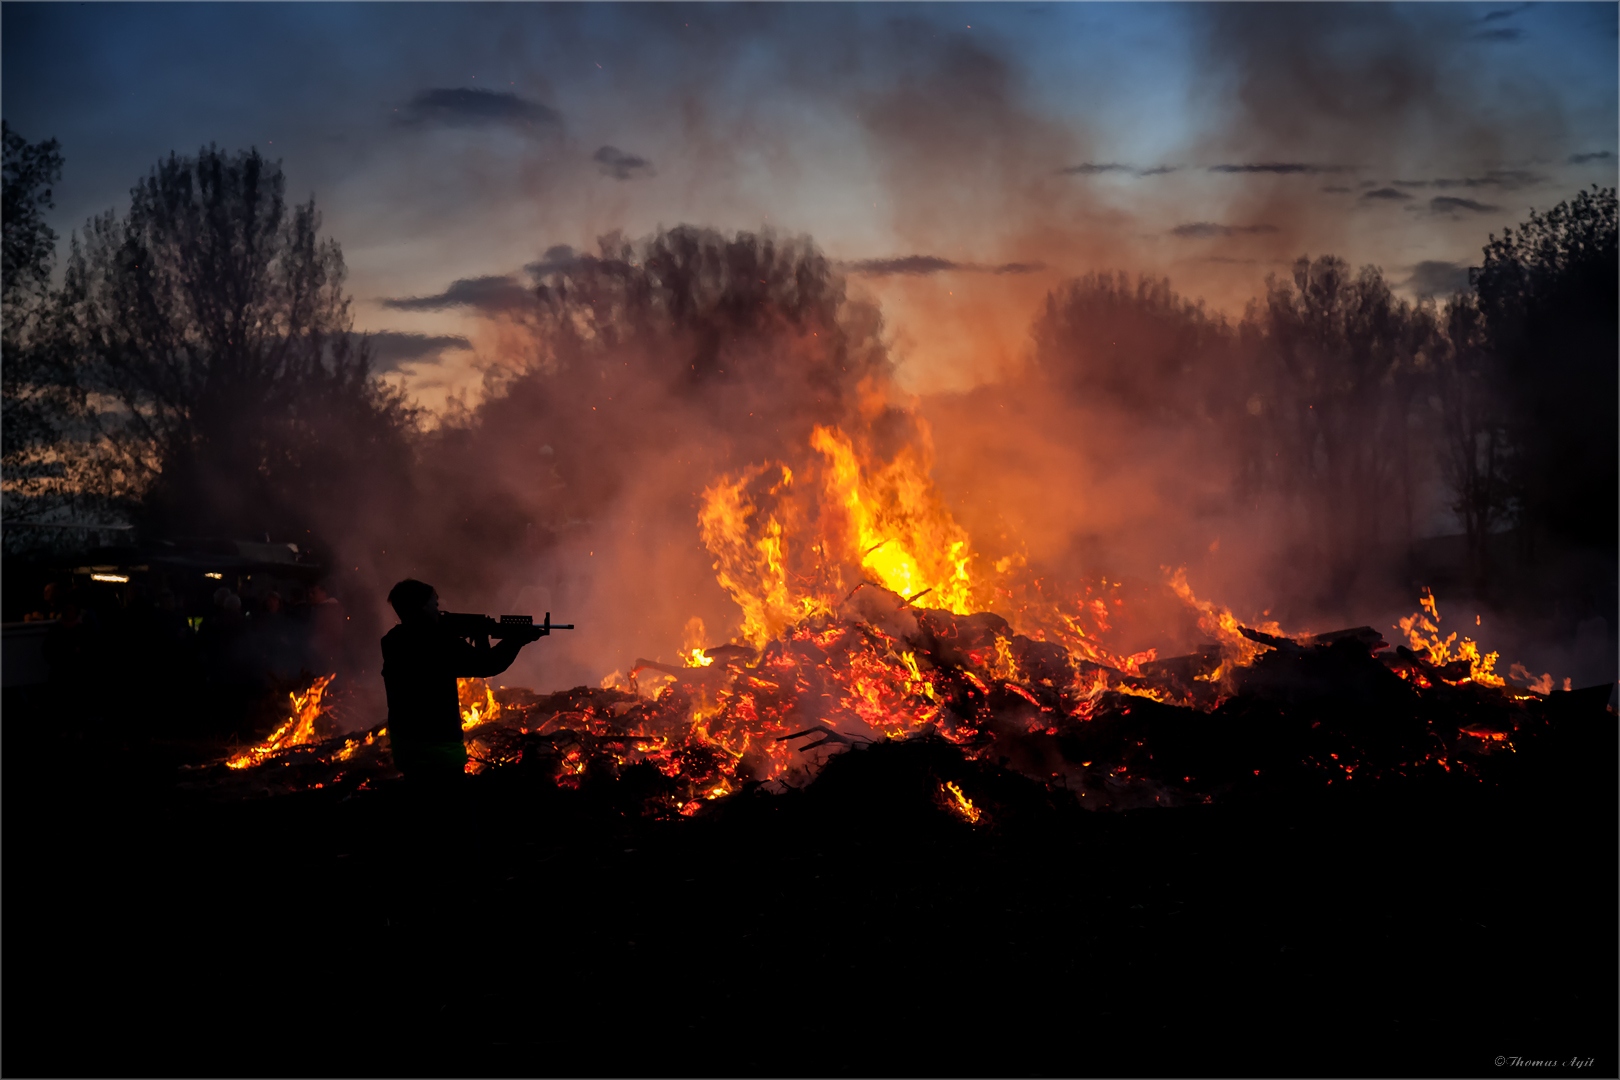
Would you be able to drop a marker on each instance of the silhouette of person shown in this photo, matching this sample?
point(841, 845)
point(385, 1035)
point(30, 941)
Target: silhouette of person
point(327, 630)
point(421, 663)
point(275, 651)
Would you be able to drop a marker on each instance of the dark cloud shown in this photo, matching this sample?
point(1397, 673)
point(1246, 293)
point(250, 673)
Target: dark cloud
point(1501, 33)
point(1507, 13)
point(933, 264)
point(1446, 204)
point(621, 166)
point(1504, 179)
point(488, 294)
point(1280, 168)
point(1385, 193)
point(1090, 169)
point(1582, 159)
point(1435, 278)
point(460, 107)
point(1199, 230)
point(558, 259)
point(1332, 190)
point(391, 350)
point(905, 264)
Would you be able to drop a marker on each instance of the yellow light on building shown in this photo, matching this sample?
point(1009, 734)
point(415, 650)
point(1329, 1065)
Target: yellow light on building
point(118, 578)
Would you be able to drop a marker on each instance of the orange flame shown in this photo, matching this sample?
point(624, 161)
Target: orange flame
point(960, 803)
point(1219, 623)
point(477, 701)
point(1422, 630)
point(298, 729)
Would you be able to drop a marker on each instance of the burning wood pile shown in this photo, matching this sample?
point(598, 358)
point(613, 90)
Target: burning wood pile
point(820, 668)
point(1273, 713)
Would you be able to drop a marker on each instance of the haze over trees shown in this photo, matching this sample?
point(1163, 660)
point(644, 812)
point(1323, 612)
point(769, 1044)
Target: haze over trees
point(1344, 403)
point(195, 368)
point(646, 370)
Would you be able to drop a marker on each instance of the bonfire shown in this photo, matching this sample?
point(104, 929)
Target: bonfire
point(866, 616)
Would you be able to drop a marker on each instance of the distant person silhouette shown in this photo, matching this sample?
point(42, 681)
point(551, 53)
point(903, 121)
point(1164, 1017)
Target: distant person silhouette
point(328, 631)
point(421, 663)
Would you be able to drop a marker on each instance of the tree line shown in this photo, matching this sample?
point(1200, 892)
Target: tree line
point(194, 369)
point(1343, 400)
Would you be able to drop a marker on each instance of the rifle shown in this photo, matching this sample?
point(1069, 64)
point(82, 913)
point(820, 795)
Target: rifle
point(466, 626)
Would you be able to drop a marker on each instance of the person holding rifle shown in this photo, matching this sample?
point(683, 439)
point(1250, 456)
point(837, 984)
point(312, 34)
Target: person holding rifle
point(422, 659)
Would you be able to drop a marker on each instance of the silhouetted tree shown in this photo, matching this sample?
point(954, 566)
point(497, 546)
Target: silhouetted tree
point(43, 409)
point(1141, 347)
point(1549, 297)
point(30, 244)
point(1476, 449)
point(678, 356)
point(1341, 362)
point(211, 320)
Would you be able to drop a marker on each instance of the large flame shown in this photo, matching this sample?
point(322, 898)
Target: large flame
point(789, 549)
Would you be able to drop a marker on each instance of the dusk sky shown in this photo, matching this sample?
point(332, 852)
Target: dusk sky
point(956, 160)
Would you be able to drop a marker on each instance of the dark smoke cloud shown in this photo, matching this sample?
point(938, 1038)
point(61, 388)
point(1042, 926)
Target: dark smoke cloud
point(933, 264)
point(612, 161)
point(1501, 33)
point(1446, 204)
point(1507, 13)
point(1436, 278)
point(491, 295)
point(1199, 230)
point(1361, 87)
point(391, 350)
point(1281, 168)
point(1385, 193)
point(1582, 159)
point(460, 107)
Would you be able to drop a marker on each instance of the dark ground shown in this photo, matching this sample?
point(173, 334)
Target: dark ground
point(850, 929)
